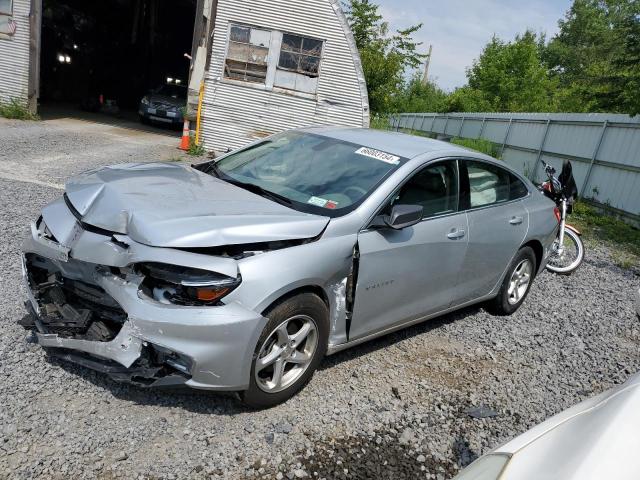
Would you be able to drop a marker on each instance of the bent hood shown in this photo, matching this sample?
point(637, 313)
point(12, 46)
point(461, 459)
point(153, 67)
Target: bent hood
point(174, 205)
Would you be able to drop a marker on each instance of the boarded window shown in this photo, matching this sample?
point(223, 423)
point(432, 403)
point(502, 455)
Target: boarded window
point(248, 54)
point(6, 7)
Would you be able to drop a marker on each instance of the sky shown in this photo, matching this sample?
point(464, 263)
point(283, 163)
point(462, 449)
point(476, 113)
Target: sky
point(459, 29)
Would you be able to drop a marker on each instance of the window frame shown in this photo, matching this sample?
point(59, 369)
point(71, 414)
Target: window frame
point(249, 45)
point(416, 171)
point(10, 12)
point(273, 60)
point(300, 54)
point(463, 162)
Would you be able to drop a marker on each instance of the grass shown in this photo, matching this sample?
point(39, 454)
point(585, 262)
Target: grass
point(480, 145)
point(195, 150)
point(17, 110)
point(379, 122)
point(597, 227)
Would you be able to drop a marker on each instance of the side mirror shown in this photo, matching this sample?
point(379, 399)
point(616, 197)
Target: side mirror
point(403, 216)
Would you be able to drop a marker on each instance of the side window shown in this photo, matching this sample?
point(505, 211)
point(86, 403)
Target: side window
point(490, 184)
point(434, 187)
point(248, 54)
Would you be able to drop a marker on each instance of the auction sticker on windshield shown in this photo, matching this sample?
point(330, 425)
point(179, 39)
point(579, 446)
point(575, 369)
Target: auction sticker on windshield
point(378, 155)
point(317, 201)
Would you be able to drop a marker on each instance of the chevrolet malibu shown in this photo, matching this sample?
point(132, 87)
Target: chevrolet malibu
point(241, 274)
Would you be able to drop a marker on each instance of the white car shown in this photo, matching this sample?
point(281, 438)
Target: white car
point(595, 440)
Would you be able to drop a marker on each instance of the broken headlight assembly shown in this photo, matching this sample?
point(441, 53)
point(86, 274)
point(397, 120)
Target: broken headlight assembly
point(173, 284)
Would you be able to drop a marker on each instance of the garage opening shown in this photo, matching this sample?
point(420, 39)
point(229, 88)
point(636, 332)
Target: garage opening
point(110, 58)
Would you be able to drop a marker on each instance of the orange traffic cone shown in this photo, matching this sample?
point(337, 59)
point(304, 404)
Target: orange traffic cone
point(184, 142)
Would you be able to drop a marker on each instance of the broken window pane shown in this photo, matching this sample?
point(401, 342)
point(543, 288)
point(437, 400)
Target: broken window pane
point(311, 46)
point(308, 62)
point(291, 43)
point(258, 55)
point(240, 34)
point(309, 65)
point(288, 60)
point(238, 51)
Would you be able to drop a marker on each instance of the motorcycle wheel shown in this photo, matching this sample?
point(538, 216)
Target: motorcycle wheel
point(571, 257)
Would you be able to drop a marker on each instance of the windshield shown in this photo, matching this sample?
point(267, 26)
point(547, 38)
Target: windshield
point(310, 172)
point(174, 91)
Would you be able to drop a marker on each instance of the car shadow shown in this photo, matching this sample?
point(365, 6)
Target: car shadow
point(390, 339)
point(227, 403)
point(195, 401)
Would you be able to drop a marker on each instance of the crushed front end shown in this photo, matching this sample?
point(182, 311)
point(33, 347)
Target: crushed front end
point(134, 312)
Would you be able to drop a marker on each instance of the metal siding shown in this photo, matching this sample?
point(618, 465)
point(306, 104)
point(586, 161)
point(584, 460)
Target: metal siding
point(573, 136)
point(235, 114)
point(14, 56)
point(495, 131)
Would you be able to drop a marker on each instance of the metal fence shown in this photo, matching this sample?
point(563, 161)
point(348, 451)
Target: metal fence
point(604, 149)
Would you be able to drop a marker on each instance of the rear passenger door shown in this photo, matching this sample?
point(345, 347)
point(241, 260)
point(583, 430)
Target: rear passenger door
point(498, 224)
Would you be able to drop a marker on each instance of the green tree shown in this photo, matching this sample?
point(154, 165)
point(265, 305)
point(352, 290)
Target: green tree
point(385, 57)
point(511, 76)
point(417, 96)
point(596, 55)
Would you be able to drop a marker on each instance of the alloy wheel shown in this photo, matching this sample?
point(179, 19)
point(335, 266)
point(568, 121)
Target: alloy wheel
point(519, 282)
point(286, 353)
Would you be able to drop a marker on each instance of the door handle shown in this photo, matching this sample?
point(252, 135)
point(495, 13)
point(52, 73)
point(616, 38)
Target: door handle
point(455, 234)
point(515, 220)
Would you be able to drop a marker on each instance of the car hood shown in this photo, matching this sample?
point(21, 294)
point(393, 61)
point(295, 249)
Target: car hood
point(595, 439)
point(167, 100)
point(174, 205)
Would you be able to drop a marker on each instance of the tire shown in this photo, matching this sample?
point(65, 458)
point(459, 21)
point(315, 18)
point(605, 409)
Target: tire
point(514, 290)
point(278, 350)
point(576, 242)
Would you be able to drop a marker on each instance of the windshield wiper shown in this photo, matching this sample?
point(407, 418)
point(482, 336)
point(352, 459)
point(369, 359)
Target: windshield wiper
point(213, 169)
point(252, 187)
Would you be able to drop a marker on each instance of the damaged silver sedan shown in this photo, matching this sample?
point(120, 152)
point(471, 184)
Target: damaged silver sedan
point(241, 274)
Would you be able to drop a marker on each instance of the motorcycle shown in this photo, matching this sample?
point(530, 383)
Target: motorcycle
point(567, 251)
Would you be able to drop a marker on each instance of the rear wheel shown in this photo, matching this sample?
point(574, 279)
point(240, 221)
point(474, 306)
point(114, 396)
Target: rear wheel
point(289, 350)
point(516, 284)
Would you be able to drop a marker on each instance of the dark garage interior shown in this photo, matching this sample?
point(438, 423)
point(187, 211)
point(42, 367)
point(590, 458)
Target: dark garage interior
point(105, 56)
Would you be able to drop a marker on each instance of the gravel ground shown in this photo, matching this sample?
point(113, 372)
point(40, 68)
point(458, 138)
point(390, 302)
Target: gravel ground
point(392, 408)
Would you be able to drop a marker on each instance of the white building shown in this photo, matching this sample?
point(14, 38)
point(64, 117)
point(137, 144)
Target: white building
point(17, 78)
point(266, 65)
point(277, 64)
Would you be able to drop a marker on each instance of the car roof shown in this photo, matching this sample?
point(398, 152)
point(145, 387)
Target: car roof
point(396, 143)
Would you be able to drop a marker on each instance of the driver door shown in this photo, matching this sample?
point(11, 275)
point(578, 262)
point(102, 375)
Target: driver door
point(409, 273)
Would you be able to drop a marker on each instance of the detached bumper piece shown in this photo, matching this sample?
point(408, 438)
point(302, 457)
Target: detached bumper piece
point(151, 370)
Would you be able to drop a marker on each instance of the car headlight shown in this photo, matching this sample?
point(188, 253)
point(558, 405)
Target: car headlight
point(184, 285)
point(144, 101)
point(489, 467)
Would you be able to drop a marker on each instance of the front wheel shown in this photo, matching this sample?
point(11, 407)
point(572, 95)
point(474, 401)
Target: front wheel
point(566, 260)
point(289, 350)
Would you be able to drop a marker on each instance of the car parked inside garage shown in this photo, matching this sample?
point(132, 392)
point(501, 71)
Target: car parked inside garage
point(241, 273)
point(164, 104)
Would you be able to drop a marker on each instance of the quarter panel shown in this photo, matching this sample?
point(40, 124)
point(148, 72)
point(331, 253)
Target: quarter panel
point(326, 264)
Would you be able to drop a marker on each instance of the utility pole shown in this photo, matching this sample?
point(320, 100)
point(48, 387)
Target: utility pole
point(425, 78)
